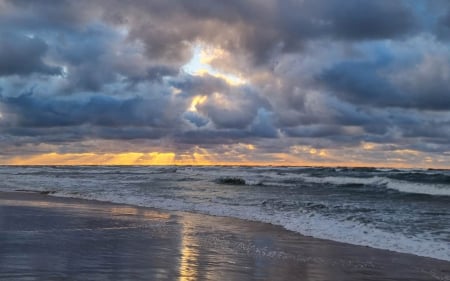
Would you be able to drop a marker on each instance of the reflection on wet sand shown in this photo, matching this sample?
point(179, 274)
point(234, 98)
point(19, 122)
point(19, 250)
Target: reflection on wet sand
point(119, 210)
point(218, 254)
point(46, 238)
point(140, 212)
point(42, 204)
point(189, 254)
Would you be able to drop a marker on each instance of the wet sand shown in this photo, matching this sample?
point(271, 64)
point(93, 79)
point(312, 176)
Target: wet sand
point(48, 238)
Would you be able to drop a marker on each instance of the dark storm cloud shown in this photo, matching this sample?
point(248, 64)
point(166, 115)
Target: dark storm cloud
point(443, 27)
point(324, 73)
point(212, 137)
point(196, 119)
point(158, 72)
point(425, 86)
point(235, 112)
point(203, 85)
point(91, 60)
point(31, 110)
point(360, 82)
point(139, 116)
point(355, 19)
point(47, 14)
point(274, 26)
point(286, 25)
point(21, 55)
point(314, 131)
point(263, 126)
point(88, 45)
point(259, 27)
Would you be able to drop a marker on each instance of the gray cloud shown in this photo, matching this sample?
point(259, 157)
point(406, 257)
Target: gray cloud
point(357, 20)
point(258, 27)
point(424, 85)
point(233, 110)
point(443, 27)
point(31, 110)
point(21, 55)
point(322, 73)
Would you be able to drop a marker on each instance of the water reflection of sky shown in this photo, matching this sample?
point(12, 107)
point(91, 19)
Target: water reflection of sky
point(51, 239)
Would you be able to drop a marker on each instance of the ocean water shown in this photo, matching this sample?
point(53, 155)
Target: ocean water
point(401, 210)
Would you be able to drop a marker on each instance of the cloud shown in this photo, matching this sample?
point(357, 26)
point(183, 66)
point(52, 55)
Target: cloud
point(358, 20)
point(235, 109)
point(22, 55)
point(361, 82)
point(389, 81)
point(258, 28)
point(29, 110)
point(327, 75)
point(443, 27)
point(427, 84)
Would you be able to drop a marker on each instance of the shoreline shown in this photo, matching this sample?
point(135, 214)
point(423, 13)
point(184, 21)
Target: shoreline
point(238, 244)
point(393, 249)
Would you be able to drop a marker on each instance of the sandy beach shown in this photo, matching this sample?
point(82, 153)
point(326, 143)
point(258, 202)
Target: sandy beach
point(49, 238)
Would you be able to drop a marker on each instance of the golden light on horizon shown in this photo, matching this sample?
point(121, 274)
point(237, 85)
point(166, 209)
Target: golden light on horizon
point(130, 158)
point(117, 159)
point(159, 82)
point(240, 154)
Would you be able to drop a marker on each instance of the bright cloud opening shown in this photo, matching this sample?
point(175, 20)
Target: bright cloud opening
point(197, 100)
point(199, 65)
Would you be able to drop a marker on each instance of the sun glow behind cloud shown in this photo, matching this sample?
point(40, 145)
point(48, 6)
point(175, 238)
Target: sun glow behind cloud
point(197, 100)
point(170, 82)
point(237, 154)
point(200, 64)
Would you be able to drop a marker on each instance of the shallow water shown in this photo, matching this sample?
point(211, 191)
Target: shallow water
point(46, 238)
point(402, 210)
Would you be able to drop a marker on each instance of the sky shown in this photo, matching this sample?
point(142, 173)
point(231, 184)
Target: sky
point(238, 82)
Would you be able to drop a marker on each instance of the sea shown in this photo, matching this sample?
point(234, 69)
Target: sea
point(401, 210)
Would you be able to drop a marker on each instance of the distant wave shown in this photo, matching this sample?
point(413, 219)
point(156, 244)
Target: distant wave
point(419, 188)
point(399, 185)
point(382, 208)
point(345, 180)
point(423, 177)
point(231, 181)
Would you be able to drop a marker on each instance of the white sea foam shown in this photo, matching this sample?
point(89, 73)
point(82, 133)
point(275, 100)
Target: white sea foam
point(399, 185)
point(305, 223)
point(204, 196)
point(344, 180)
point(419, 188)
